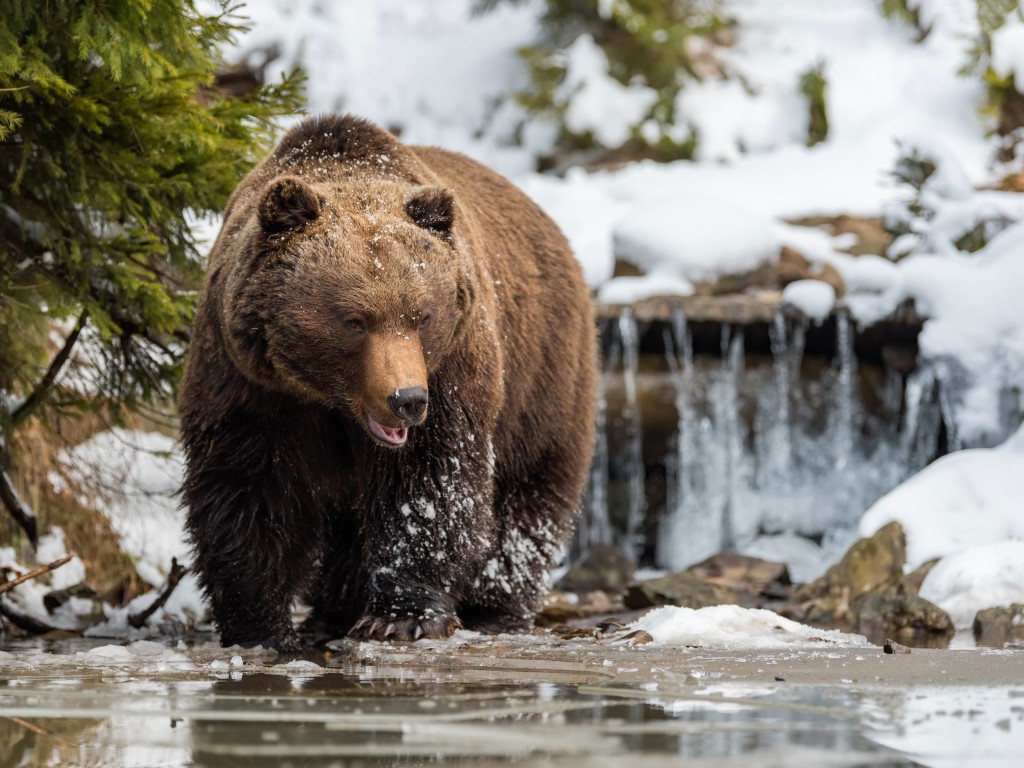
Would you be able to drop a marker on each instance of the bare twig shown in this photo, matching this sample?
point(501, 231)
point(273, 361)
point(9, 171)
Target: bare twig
point(176, 574)
point(9, 585)
point(18, 509)
point(33, 401)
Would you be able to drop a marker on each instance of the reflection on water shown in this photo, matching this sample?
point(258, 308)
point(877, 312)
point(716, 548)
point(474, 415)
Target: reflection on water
point(148, 705)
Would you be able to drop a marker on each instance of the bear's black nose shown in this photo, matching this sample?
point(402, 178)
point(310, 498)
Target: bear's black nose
point(408, 404)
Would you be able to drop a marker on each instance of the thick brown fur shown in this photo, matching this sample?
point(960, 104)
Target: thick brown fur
point(352, 269)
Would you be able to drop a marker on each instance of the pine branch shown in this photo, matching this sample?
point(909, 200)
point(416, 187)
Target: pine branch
point(35, 399)
point(18, 509)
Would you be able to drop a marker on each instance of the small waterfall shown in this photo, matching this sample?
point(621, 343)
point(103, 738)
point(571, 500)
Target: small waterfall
point(762, 448)
point(629, 336)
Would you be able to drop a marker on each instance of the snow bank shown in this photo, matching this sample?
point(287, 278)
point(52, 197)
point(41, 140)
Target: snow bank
point(729, 626)
point(695, 238)
point(966, 509)
point(963, 500)
point(982, 576)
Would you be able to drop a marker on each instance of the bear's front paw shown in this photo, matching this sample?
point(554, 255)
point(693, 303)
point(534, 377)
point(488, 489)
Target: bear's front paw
point(432, 625)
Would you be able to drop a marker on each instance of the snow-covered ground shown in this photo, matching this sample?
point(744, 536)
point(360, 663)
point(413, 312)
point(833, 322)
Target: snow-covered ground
point(438, 74)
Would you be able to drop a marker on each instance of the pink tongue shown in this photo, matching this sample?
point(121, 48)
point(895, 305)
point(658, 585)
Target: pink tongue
point(394, 435)
point(397, 435)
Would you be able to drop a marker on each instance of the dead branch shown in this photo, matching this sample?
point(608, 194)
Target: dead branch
point(19, 510)
point(177, 572)
point(9, 585)
point(38, 394)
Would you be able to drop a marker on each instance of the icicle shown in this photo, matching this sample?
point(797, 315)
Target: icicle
point(595, 525)
point(921, 422)
point(844, 406)
point(733, 437)
point(635, 471)
point(775, 440)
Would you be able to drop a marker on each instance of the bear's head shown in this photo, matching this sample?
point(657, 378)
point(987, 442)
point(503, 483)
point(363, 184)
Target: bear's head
point(351, 296)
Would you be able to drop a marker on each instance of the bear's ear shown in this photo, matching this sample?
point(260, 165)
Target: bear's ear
point(287, 203)
point(432, 208)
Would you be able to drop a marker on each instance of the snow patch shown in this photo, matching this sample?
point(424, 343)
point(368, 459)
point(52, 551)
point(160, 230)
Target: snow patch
point(732, 627)
point(598, 103)
point(1008, 50)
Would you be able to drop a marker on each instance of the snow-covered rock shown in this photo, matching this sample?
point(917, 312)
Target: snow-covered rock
point(695, 238)
point(814, 299)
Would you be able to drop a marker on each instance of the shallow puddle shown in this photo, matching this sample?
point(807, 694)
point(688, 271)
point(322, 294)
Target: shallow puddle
point(367, 704)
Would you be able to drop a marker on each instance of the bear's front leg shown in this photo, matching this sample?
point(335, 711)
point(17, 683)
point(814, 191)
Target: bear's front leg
point(429, 523)
point(254, 534)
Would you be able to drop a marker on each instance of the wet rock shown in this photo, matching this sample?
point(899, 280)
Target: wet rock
point(683, 589)
point(603, 568)
point(893, 612)
point(867, 592)
point(891, 646)
point(911, 583)
point(869, 565)
point(750, 575)
point(765, 276)
point(759, 306)
point(995, 627)
point(564, 606)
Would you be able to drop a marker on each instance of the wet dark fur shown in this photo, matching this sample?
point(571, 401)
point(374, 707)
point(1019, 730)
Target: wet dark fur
point(288, 497)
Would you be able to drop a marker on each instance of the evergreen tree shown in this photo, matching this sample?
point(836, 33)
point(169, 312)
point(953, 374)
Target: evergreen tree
point(114, 139)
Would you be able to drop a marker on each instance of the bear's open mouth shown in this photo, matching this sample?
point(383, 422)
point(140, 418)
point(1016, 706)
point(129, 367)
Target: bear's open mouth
point(389, 436)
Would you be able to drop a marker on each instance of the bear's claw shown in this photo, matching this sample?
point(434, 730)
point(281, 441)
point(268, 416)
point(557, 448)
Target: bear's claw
point(406, 628)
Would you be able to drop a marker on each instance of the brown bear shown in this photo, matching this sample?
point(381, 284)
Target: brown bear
point(388, 407)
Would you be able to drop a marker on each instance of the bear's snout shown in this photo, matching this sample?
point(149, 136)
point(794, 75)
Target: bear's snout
point(409, 404)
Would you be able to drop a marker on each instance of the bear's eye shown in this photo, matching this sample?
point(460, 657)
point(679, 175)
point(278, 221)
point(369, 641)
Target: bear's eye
point(355, 324)
point(424, 321)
